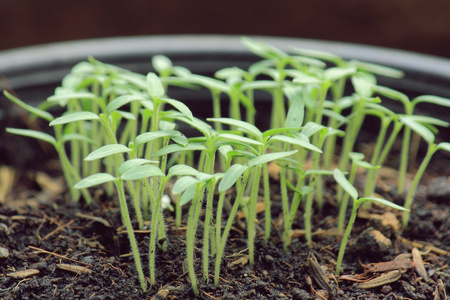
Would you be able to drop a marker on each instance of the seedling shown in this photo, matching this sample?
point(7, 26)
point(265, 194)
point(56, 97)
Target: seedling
point(350, 189)
point(120, 129)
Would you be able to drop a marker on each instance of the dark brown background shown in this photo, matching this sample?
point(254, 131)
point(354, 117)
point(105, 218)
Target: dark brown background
point(422, 26)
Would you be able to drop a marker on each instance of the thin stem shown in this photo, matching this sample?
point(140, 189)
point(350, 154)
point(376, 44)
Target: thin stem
point(409, 199)
point(267, 204)
point(126, 218)
point(345, 237)
point(226, 231)
point(252, 214)
point(154, 231)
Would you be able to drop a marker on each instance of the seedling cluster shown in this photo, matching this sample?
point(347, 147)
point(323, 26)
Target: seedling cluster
point(120, 130)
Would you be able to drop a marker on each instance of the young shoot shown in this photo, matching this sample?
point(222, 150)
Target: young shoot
point(351, 190)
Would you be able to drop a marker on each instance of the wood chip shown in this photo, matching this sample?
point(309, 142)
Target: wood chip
point(420, 269)
point(74, 269)
point(23, 274)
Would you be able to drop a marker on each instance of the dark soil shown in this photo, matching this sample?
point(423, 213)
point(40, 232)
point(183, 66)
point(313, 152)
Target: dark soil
point(41, 229)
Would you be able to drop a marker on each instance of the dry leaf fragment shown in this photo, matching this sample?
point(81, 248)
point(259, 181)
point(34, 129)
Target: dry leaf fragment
point(383, 279)
point(240, 261)
point(317, 273)
point(74, 269)
point(401, 264)
point(23, 274)
point(420, 269)
point(439, 293)
point(94, 218)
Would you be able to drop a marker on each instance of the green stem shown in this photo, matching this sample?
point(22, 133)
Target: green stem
point(267, 204)
point(134, 248)
point(409, 198)
point(345, 237)
point(154, 231)
point(344, 203)
point(226, 231)
point(252, 214)
point(194, 212)
point(206, 234)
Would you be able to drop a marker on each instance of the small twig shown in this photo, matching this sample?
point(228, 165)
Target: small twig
point(58, 229)
point(59, 255)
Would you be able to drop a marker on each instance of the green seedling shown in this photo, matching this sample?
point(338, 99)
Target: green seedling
point(116, 124)
point(414, 124)
point(350, 189)
point(129, 170)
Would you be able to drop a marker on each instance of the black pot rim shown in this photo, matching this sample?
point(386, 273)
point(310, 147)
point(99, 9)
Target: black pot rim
point(104, 48)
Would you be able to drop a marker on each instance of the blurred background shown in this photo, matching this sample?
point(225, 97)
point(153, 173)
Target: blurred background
point(421, 26)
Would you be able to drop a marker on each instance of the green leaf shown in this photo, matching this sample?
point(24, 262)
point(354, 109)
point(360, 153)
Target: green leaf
point(107, 150)
point(63, 97)
point(260, 85)
point(141, 172)
point(345, 184)
point(180, 106)
point(33, 110)
point(176, 148)
point(432, 100)
point(265, 158)
point(137, 80)
point(188, 195)
point(94, 180)
point(182, 170)
point(78, 137)
point(245, 126)
point(418, 128)
point(150, 136)
point(33, 134)
point(296, 110)
point(210, 83)
point(226, 73)
point(241, 153)
point(429, 120)
point(391, 93)
point(73, 117)
point(231, 176)
point(300, 140)
point(307, 79)
point(382, 201)
point(183, 183)
point(263, 50)
point(162, 64)
point(323, 55)
point(311, 128)
point(225, 149)
point(333, 74)
point(308, 61)
point(362, 86)
point(121, 101)
point(318, 172)
point(366, 165)
point(356, 156)
point(377, 69)
point(119, 114)
point(238, 139)
point(133, 163)
point(444, 146)
point(154, 86)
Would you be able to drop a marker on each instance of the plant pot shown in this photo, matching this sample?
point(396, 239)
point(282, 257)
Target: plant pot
point(34, 72)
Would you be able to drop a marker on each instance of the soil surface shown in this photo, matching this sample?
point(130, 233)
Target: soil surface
point(51, 248)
